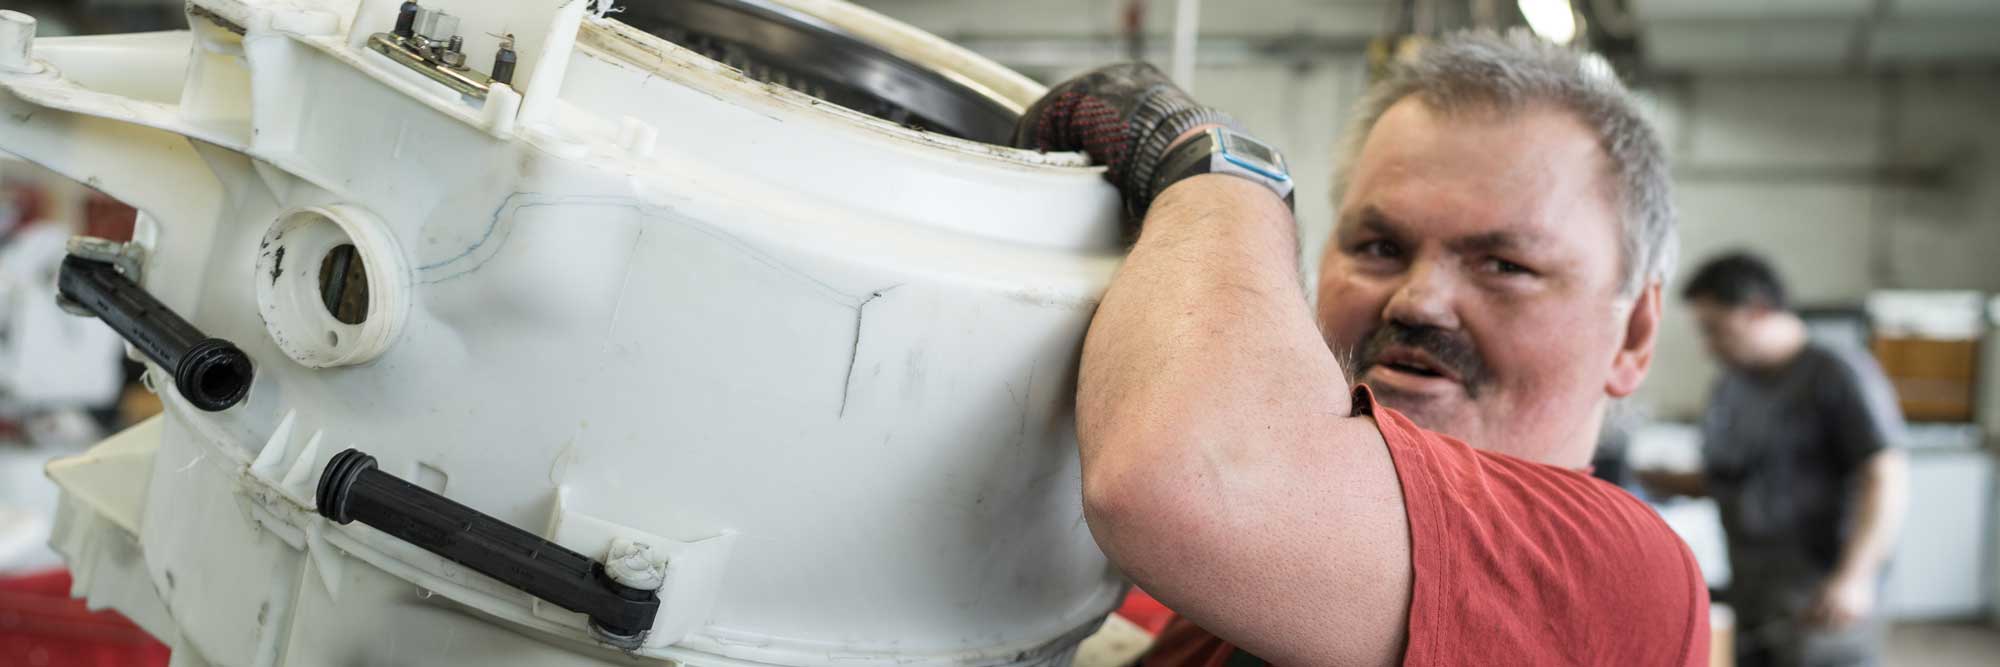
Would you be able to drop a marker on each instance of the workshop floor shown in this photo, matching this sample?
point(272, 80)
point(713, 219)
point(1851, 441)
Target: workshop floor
point(1914, 645)
point(1943, 645)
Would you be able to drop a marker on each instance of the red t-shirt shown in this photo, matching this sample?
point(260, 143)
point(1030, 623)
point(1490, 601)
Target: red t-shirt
point(1518, 563)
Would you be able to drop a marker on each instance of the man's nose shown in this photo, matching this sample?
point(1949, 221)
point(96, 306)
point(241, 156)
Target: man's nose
point(1425, 298)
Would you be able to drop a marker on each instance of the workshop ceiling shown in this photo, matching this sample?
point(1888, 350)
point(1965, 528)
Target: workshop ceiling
point(1831, 35)
point(1668, 35)
point(1805, 36)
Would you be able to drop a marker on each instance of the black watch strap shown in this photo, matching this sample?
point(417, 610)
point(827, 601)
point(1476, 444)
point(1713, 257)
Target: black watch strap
point(1159, 124)
point(1195, 157)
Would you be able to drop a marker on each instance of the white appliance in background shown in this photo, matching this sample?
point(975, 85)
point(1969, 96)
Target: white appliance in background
point(1947, 538)
point(1989, 375)
point(1989, 415)
point(50, 361)
point(819, 361)
point(1945, 555)
point(1676, 447)
point(1939, 314)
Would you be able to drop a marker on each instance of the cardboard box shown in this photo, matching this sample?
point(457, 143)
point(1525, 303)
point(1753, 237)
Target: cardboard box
point(1936, 380)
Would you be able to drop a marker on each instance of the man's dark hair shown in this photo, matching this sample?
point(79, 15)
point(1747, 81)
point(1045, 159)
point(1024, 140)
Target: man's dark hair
point(1737, 279)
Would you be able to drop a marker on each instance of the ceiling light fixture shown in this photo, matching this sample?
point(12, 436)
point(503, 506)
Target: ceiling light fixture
point(1552, 19)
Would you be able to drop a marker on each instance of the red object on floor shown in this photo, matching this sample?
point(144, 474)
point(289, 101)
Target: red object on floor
point(1144, 611)
point(40, 624)
point(107, 218)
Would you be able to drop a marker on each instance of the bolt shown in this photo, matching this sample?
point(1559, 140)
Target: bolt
point(454, 52)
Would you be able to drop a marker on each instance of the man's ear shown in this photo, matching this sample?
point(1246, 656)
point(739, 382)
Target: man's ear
point(1635, 355)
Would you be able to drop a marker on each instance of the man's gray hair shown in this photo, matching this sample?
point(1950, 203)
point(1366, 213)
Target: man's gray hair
point(1490, 71)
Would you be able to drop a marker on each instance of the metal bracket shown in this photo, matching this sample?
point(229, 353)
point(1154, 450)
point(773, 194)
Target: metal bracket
point(465, 81)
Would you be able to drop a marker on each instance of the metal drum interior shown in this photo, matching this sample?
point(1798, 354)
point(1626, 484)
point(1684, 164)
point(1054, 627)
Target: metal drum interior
point(783, 46)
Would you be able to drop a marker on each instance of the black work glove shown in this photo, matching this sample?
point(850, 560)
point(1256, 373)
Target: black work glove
point(1124, 117)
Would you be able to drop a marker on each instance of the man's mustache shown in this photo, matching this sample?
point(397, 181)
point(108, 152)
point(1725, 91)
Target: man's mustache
point(1452, 350)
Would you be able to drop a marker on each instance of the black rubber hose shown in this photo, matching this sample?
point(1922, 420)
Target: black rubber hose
point(209, 372)
point(352, 488)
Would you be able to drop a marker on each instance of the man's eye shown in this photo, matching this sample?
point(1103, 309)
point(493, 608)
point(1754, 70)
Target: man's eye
point(1504, 267)
point(1382, 249)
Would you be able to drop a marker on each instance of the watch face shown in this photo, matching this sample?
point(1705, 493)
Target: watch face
point(1253, 155)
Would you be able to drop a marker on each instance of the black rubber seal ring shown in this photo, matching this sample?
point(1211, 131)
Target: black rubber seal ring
point(214, 375)
point(341, 471)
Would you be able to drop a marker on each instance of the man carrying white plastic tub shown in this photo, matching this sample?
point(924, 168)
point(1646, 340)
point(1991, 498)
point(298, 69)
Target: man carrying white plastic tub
point(1402, 483)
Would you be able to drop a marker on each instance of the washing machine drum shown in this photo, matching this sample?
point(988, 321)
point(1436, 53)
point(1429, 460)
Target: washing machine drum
point(784, 46)
point(740, 305)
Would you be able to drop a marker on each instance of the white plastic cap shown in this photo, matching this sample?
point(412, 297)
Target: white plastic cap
point(17, 41)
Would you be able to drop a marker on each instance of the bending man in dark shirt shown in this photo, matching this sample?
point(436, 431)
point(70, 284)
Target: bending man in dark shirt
point(1798, 453)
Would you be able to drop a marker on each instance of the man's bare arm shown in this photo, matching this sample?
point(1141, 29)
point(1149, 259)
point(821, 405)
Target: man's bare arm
point(1882, 490)
point(1222, 469)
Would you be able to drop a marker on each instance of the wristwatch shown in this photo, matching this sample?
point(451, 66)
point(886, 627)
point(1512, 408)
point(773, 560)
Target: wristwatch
point(1221, 150)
